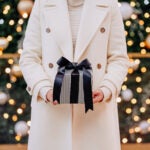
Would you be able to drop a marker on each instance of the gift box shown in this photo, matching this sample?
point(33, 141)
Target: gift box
point(73, 83)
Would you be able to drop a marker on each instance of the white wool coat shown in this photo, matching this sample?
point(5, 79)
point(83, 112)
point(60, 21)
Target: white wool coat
point(101, 39)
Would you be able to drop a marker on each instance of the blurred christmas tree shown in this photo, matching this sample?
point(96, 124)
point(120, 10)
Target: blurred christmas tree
point(14, 100)
point(133, 103)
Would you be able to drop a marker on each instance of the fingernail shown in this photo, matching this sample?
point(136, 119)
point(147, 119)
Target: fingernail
point(55, 102)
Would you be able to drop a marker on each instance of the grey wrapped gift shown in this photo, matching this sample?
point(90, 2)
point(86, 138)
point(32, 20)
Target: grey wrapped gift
point(73, 83)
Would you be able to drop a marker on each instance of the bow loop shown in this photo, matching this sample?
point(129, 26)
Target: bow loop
point(85, 64)
point(63, 62)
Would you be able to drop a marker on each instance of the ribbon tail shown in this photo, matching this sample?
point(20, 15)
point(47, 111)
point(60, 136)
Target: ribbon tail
point(87, 90)
point(58, 84)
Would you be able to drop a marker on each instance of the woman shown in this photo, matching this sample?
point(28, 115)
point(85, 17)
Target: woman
point(75, 29)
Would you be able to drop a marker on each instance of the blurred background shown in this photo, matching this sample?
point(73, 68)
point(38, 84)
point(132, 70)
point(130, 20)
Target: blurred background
point(134, 99)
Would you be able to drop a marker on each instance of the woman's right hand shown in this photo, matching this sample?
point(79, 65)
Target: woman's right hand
point(49, 97)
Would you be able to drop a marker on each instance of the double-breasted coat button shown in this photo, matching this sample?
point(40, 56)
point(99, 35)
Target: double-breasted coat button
point(29, 88)
point(48, 30)
point(102, 30)
point(99, 66)
point(51, 65)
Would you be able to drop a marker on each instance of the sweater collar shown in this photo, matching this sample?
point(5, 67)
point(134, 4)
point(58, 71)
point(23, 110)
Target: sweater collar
point(75, 3)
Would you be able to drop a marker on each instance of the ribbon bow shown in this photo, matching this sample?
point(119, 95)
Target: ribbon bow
point(85, 66)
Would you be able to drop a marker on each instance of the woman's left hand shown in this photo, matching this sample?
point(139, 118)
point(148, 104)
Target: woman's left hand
point(98, 96)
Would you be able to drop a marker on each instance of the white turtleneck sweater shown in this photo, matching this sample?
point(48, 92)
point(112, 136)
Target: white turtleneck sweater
point(75, 9)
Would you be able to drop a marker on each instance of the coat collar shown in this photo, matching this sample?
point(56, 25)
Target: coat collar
point(57, 18)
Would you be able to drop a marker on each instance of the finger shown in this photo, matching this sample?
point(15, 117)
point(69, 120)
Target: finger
point(97, 99)
point(94, 94)
point(51, 99)
point(97, 92)
point(51, 94)
point(48, 100)
point(55, 102)
point(94, 100)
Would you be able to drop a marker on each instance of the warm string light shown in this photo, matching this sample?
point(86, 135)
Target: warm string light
point(141, 22)
point(124, 140)
point(143, 51)
point(139, 90)
point(138, 79)
point(130, 42)
point(23, 106)
point(133, 4)
point(124, 87)
point(11, 22)
point(29, 123)
point(12, 102)
point(133, 101)
point(7, 70)
point(139, 140)
point(6, 115)
point(128, 23)
point(131, 130)
point(10, 38)
point(128, 110)
point(147, 15)
point(147, 101)
point(6, 9)
point(19, 29)
point(143, 70)
point(142, 44)
point(148, 120)
point(10, 61)
point(13, 79)
point(20, 51)
point(137, 129)
point(126, 79)
point(133, 16)
point(119, 100)
point(147, 29)
point(142, 109)
point(20, 111)
point(18, 138)
point(25, 15)
point(14, 118)
point(136, 118)
point(9, 85)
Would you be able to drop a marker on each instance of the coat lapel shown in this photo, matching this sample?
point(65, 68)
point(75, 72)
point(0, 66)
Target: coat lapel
point(94, 12)
point(57, 18)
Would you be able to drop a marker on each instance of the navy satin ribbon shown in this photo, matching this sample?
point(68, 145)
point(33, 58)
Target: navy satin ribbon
point(65, 64)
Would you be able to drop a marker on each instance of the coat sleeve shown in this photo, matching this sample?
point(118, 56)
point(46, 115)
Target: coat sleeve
point(117, 58)
point(31, 58)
